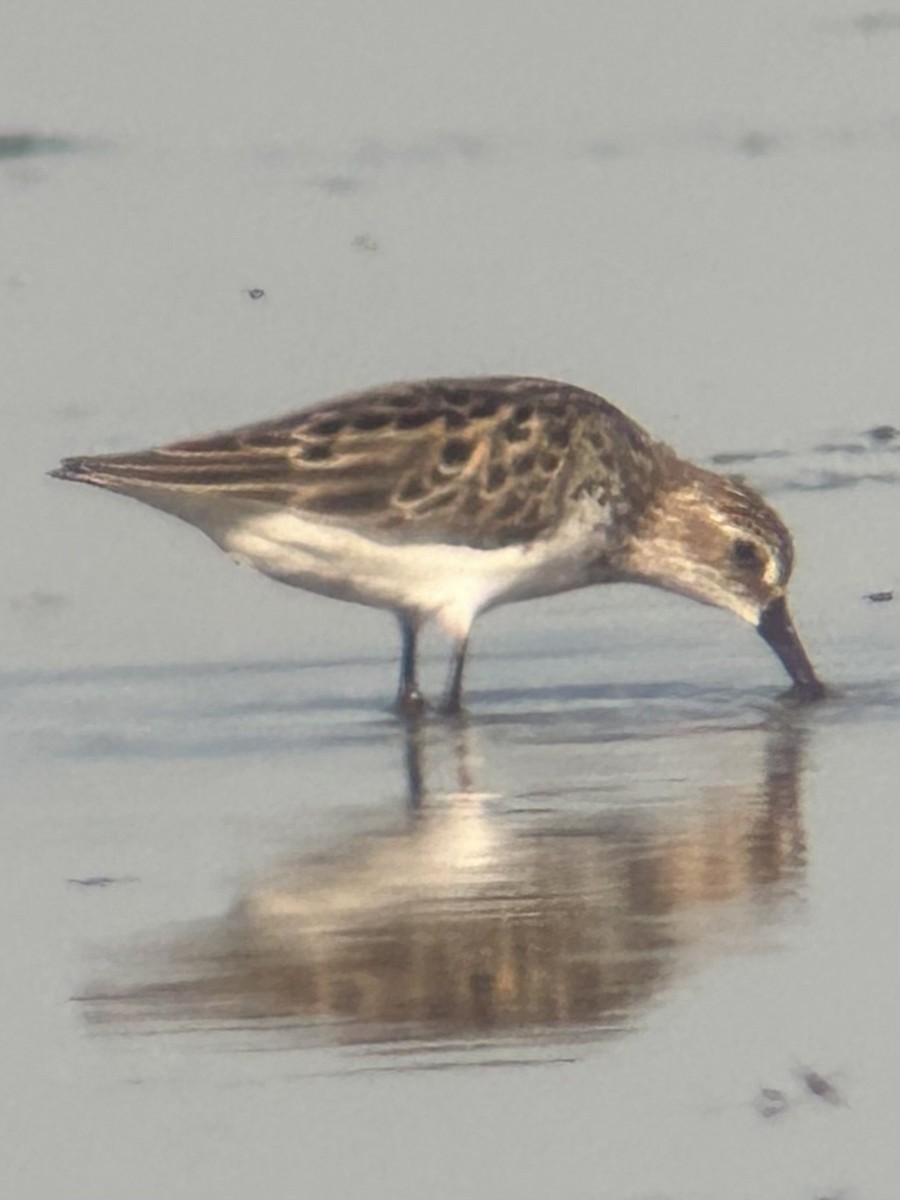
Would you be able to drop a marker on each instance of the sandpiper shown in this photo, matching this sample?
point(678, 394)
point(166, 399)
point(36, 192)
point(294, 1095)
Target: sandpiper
point(446, 498)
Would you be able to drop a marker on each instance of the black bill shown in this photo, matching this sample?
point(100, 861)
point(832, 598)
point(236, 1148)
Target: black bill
point(777, 628)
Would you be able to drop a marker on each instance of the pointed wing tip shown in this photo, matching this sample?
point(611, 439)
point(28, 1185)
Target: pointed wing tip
point(67, 469)
point(78, 469)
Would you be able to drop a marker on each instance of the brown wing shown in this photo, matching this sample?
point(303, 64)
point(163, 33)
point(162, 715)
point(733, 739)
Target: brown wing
point(484, 462)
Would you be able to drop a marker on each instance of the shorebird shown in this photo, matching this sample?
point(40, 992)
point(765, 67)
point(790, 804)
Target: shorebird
point(445, 498)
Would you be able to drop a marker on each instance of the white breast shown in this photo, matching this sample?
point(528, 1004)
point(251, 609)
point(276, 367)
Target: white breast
point(424, 579)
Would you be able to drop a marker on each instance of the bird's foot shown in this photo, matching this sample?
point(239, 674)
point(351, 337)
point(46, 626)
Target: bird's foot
point(410, 704)
point(452, 706)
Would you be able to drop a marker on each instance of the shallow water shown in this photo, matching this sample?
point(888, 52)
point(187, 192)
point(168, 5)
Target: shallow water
point(629, 929)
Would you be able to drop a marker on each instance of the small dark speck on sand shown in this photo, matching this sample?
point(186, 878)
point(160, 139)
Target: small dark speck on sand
point(27, 144)
point(819, 1086)
point(884, 433)
point(879, 597)
point(365, 241)
point(255, 293)
point(102, 881)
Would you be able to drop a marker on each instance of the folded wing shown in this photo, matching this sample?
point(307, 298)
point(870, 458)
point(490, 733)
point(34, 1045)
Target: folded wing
point(484, 462)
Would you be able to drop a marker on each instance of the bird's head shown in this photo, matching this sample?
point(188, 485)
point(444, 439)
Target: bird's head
point(714, 539)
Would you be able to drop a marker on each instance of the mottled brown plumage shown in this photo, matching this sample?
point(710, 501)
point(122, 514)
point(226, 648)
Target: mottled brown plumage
point(482, 462)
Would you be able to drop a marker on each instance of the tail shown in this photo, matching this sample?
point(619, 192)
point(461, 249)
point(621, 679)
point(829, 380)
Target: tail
point(183, 468)
point(113, 472)
point(82, 470)
point(155, 477)
point(132, 474)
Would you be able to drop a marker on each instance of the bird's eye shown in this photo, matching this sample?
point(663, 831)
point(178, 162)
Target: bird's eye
point(746, 554)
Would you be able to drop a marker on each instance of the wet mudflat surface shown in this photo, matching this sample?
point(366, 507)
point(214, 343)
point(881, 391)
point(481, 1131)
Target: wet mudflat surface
point(301, 940)
point(629, 929)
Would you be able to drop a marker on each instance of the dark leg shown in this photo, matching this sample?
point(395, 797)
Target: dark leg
point(409, 701)
point(453, 698)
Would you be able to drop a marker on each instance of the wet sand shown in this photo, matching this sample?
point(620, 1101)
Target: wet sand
point(629, 929)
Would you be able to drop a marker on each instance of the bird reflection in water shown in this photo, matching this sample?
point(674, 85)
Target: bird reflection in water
point(541, 917)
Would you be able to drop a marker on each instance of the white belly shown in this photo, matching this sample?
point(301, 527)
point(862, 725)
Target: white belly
point(452, 583)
